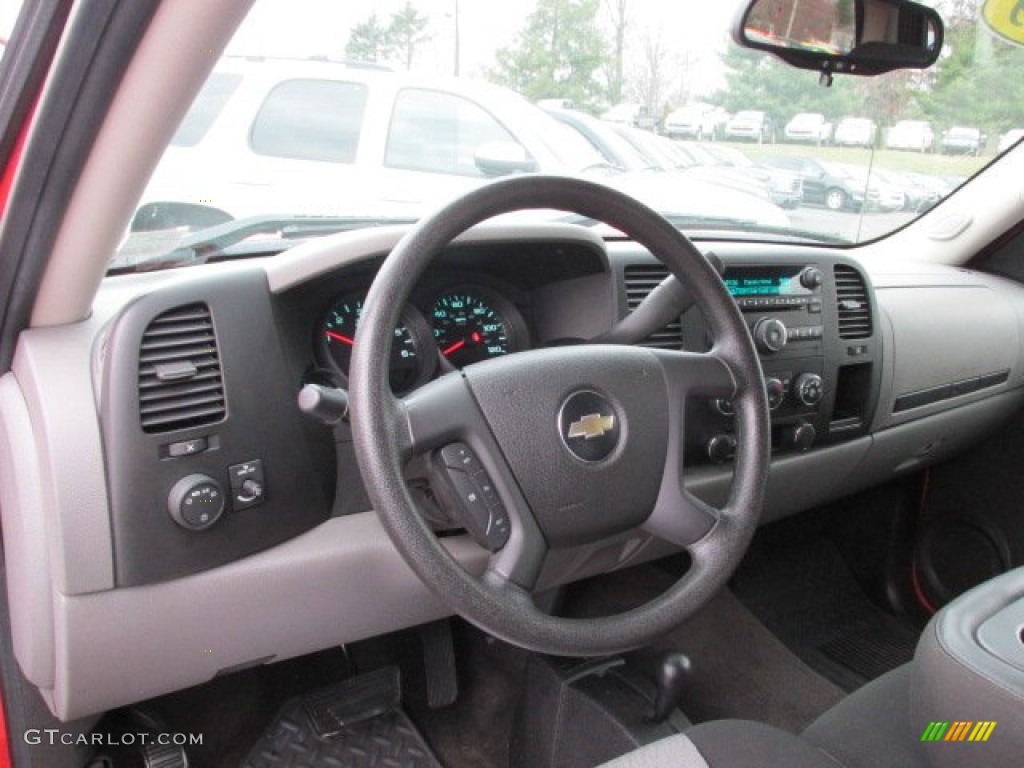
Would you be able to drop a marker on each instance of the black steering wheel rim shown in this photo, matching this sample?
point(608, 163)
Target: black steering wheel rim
point(381, 431)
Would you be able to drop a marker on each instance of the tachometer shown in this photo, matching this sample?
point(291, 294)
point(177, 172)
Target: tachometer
point(470, 326)
point(338, 332)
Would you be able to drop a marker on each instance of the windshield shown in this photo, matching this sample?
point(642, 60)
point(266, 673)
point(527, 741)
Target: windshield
point(373, 111)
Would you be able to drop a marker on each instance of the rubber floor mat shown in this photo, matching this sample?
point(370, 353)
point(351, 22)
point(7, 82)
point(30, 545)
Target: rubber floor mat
point(355, 724)
point(807, 596)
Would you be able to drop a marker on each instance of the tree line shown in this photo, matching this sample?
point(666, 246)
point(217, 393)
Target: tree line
point(593, 53)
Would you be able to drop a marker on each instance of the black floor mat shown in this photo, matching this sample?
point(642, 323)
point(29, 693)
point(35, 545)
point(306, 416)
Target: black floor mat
point(806, 595)
point(355, 724)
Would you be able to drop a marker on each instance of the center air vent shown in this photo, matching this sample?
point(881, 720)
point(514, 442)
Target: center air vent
point(180, 382)
point(852, 302)
point(641, 279)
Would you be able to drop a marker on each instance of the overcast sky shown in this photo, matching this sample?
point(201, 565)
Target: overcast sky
point(306, 27)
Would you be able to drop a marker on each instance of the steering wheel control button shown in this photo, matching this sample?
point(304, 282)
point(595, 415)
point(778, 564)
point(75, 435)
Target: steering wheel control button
point(462, 483)
point(248, 487)
point(459, 456)
point(196, 502)
point(770, 334)
point(808, 389)
point(589, 426)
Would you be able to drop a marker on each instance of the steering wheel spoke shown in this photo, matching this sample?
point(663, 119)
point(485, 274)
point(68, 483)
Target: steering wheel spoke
point(697, 374)
point(470, 477)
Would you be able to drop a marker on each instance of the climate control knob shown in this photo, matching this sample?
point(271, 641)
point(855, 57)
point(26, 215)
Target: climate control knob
point(808, 389)
point(196, 502)
point(776, 392)
point(770, 334)
point(803, 436)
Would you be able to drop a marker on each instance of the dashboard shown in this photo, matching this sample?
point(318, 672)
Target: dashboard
point(186, 487)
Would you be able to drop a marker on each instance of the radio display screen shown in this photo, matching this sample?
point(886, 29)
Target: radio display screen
point(764, 281)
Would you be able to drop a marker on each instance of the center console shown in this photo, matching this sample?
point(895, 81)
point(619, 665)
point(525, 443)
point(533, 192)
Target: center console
point(967, 685)
point(813, 324)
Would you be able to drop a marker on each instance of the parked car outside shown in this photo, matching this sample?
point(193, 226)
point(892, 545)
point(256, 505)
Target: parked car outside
point(784, 187)
point(694, 121)
point(751, 125)
point(886, 194)
point(636, 115)
point(808, 128)
point(828, 184)
point(665, 181)
point(556, 104)
point(694, 160)
point(1010, 138)
point(920, 191)
point(400, 143)
point(915, 135)
point(855, 132)
point(962, 140)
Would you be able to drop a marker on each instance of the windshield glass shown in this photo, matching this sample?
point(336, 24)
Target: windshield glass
point(372, 111)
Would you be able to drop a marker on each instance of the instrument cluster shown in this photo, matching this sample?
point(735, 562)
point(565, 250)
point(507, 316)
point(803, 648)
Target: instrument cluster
point(443, 330)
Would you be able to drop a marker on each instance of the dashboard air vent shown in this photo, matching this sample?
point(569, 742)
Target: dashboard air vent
point(641, 279)
point(180, 382)
point(852, 303)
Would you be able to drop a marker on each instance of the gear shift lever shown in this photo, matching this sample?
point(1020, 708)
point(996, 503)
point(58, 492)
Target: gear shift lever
point(671, 677)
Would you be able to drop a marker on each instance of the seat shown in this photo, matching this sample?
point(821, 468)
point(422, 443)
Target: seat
point(869, 728)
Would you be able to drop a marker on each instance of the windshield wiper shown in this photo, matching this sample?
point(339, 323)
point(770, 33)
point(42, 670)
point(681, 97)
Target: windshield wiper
point(213, 243)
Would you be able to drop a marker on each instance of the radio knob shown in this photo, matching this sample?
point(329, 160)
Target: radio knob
point(811, 278)
point(776, 392)
point(803, 436)
point(770, 334)
point(808, 389)
point(721, 448)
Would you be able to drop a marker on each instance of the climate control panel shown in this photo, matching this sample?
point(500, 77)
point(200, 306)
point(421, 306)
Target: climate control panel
point(792, 313)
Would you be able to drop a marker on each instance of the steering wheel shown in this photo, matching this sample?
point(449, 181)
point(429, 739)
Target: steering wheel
point(580, 443)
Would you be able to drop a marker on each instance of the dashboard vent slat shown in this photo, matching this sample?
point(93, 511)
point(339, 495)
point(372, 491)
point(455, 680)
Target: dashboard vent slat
point(181, 341)
point(852, 304)
point(640, 280)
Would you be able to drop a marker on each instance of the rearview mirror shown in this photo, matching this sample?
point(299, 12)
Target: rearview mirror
point(856, 37)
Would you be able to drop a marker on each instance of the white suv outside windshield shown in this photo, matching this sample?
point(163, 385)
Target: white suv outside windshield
point(428, 99)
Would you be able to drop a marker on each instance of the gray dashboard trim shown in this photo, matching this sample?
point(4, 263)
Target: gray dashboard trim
point(340, 582)
point(317, 257)
point(26, 548)
point(942, 325)
point(53, 368)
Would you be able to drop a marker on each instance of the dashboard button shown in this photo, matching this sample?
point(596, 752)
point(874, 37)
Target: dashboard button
point(187, 447)
point(248, 486)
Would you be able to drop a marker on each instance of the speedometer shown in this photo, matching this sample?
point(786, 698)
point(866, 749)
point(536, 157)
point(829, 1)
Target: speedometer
point(338, 333)
point(470, 326)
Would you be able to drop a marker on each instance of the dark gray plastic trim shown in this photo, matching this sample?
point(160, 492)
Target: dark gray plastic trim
point(317, 257)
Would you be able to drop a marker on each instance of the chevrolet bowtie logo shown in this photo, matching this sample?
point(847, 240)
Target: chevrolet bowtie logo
point(590, 426)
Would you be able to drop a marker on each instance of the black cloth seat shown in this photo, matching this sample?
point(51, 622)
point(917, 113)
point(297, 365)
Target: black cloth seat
point(869, 728)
